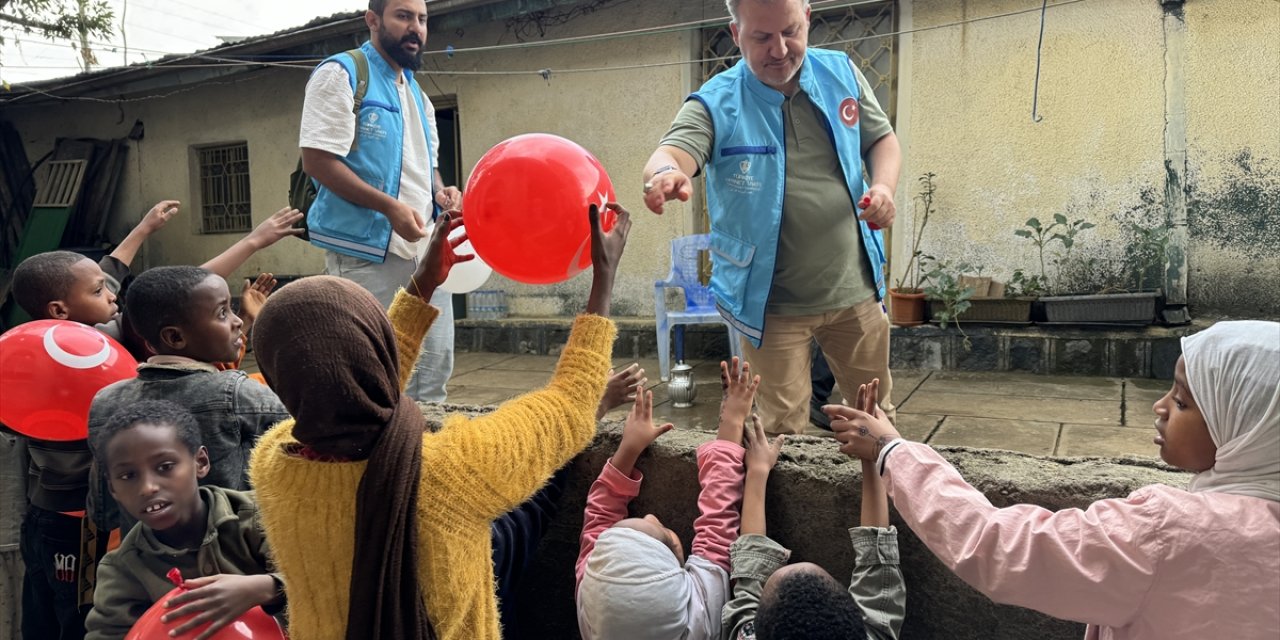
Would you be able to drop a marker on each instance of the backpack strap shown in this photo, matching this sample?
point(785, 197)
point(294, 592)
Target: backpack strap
point(361, 87)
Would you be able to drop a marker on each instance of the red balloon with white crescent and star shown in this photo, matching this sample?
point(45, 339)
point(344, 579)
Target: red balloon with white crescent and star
point(49, 373)
point(525, 207)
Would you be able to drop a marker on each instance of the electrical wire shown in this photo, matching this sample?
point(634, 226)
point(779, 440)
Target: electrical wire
point(307, 64)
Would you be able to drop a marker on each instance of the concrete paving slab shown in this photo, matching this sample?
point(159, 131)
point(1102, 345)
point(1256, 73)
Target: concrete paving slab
point(704, 415)
point(519, 380)
point(1027, 408)
point(1037, 438)
point(481, 395)
point(905, 383)
point(526, 362)
point(1138, 401)
point(917, 427)
point(1021, 384)
point(1107, 442)
point(468, 361)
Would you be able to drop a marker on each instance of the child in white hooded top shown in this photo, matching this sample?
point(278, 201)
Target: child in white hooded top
point(633, 579)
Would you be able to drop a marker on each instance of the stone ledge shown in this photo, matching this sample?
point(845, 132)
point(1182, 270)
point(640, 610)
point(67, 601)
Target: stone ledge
point(813, 498)
point(1134, 352)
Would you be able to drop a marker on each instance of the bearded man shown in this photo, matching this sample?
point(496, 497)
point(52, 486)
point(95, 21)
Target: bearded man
point(376, 171)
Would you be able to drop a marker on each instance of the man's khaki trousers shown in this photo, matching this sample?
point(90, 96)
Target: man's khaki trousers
point(855, 342)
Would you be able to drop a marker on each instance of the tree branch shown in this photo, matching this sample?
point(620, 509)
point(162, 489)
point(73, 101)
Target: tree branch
point(30, 24)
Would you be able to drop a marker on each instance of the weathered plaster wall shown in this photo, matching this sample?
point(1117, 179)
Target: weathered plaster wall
point(263, 110)
point(1098, 152)
point(618, 115)
point(813, 497)
point(1097, 145)
point(1233, 147)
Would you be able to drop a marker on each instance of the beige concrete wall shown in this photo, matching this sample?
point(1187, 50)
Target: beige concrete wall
point(966, 98)
point(617, 114)
point(1098, 144)
point(262, 110)
point(1233, 146)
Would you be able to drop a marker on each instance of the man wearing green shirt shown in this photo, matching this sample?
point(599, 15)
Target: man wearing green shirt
point(825, 277)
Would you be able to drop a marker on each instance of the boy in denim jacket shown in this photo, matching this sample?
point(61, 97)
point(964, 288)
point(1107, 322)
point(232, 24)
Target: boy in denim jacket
point(773, 600)
point(184, 315)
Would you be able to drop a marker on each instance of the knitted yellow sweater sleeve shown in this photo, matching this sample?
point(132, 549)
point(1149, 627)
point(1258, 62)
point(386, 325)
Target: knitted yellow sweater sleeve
point(485, 466)
point(411, 318)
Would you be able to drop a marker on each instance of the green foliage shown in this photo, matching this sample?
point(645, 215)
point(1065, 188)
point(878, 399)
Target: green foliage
point(915, 268)
point(944, 286)
point(57, 20)
point(1063, 232)
point(1148, 253)
point(1021, 285)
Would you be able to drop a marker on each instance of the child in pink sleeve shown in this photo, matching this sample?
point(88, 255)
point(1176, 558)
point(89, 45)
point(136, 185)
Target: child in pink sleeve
point(633, 580)
point(1162, 563)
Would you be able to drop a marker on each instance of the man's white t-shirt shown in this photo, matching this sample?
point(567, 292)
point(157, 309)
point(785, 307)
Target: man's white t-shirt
point(329, 125)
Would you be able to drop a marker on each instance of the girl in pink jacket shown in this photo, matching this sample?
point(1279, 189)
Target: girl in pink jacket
point(1163, 562)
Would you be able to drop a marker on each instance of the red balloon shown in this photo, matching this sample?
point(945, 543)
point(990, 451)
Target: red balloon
point(49, 372)
point(255, 624)
point(526, 203)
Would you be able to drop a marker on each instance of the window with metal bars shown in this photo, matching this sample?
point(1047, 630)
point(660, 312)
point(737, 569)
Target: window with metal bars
point(864, 30)
point(224, 188)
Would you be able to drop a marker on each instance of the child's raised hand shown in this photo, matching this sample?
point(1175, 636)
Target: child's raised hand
point(739, 393)
point(254, 295)
point(762, 453)
point(639, 431)
point(275, 228)
point(621, 388)
point(219, 600)
point(159, 215)
point(862, 434)
point(442, 254)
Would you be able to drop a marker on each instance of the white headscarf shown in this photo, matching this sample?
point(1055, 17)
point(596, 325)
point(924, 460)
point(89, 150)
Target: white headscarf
point(635, 589)
point(1233, 369)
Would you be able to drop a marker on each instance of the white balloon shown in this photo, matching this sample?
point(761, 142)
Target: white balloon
point(464, 277)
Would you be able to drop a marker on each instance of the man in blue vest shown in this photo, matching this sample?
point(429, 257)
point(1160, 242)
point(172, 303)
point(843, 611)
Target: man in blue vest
point(796, 249)
point(378, 175)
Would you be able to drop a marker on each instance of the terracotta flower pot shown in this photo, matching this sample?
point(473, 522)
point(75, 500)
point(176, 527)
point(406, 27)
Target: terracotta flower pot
point(906, 308)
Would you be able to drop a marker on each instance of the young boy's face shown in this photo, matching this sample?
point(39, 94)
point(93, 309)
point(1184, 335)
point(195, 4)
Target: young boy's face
point(1182, 433)
point(155, 477)
point(88, 301)
point(211, 331)
point(651, 526)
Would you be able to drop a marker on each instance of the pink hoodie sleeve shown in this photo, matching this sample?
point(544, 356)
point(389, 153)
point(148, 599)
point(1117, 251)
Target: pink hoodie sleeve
point(606, 505)
point(1094, 566)
point(720, 472)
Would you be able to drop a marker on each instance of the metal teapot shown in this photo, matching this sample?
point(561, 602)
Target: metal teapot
point(681, 389)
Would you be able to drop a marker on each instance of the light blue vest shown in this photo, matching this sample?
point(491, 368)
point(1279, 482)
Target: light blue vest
point(338, 225)
point(746, 175)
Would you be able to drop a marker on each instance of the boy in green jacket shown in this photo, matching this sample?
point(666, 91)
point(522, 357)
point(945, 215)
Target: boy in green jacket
point(776, 601)
point(153, 460)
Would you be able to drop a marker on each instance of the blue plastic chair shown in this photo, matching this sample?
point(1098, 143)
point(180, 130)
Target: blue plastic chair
point(699, 304)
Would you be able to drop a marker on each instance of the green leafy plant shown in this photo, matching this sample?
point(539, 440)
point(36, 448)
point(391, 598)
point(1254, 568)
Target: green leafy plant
point(914, 273)
point(1061, 231)
point(1148, 253)
point(1023, 285)
point(944, 286)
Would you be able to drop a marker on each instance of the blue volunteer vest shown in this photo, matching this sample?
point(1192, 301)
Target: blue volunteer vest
point(338, 225)
point(746, 176)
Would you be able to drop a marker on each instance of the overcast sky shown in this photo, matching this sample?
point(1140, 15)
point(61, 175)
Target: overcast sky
point(159, 27)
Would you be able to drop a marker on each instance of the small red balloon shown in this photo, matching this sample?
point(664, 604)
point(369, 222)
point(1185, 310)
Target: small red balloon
point(49, 373)
point(255, 624)
point(526, 206)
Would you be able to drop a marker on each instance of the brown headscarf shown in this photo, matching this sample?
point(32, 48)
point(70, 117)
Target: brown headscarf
point(327, 349)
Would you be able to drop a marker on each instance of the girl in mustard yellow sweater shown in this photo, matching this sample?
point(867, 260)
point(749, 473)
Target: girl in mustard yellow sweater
point(379, 527)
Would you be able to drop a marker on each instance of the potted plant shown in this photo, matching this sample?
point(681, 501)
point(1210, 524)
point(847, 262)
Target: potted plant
point(949, 298)
point(991, 301)
point(1115, 302)
point(906, 303)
